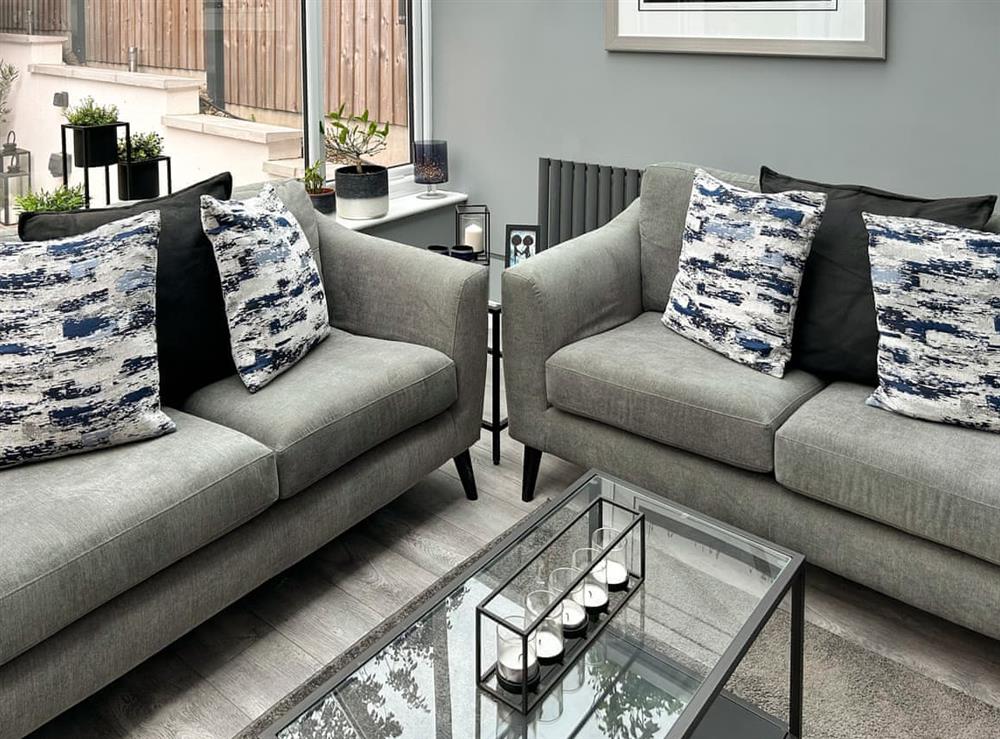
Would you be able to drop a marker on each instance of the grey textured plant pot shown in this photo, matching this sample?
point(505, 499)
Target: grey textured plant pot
point(325, 201)
point(362, 195)
point(95, 146)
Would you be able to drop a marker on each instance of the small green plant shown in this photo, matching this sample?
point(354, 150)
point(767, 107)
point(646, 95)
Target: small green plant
point(89, 113)
point(8, 76)
point(350, 138)
point(60, 199)
point(313, 178)
point(144, 146)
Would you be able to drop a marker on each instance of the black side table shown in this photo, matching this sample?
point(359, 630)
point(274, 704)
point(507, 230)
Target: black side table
point(495, 425)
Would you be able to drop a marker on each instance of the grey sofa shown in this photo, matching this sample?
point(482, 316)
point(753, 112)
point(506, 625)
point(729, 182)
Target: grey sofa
point(909, 508)
point(107, 557)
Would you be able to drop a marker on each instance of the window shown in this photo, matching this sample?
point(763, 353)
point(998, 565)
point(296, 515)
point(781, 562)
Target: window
point(238, 85)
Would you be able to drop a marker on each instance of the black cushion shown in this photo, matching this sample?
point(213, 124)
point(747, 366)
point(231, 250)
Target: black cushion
point(191, 330)
point(836, 335)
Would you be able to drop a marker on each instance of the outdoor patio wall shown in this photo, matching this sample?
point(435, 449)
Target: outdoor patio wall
point(142, 100)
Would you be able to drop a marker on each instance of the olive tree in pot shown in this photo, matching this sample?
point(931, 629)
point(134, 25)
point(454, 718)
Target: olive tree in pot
point(323, 197)
point(95, 138)
point(144, 168)
point(362, 187)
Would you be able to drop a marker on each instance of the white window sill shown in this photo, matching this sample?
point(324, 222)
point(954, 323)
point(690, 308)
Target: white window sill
point(403, 206)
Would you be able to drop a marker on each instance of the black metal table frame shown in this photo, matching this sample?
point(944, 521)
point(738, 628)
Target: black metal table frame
point(494, 351)
point(791, 580)
point(107, 167)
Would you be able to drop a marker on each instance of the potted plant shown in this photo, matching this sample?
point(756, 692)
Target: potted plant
point(362, 187)
point(323, 198)
point(95, 138)
point(61, 199)
point(144, 167)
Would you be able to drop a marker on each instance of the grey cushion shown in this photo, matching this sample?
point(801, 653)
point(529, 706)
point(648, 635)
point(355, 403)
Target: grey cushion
point(935, 481)
point(643, 378)
point(344, 397)
point(293, 194)
point(77, 531)
point(663, 204)
point(994, 223)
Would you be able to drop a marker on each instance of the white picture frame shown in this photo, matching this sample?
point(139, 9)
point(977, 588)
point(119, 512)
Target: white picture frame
point(840, 29)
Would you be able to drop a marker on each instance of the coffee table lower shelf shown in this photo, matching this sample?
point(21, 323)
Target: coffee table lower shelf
point(731, 717)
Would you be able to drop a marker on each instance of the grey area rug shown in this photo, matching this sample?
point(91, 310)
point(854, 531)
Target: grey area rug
point(849, 691)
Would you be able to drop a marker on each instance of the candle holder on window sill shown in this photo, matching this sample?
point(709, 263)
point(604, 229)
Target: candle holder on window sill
point(430, 166)
point(548, 613)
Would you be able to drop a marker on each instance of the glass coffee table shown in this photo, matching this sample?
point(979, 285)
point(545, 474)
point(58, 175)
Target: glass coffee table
point(659, 668)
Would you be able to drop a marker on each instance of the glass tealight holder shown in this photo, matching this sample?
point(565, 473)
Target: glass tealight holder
point(616, 558)
point(594, 594)
point(517, 660)
point(574, 615)
point(548, 636)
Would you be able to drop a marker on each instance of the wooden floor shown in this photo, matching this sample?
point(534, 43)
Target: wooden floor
point(212, 682)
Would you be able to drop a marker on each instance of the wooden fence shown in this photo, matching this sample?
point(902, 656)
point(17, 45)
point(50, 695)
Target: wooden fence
point(365, 44)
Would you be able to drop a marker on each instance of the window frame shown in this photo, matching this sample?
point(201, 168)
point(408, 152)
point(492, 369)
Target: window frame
point(418, 15)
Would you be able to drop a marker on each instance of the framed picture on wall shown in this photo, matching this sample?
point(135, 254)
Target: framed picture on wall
point(824, 28)
point(521, 243)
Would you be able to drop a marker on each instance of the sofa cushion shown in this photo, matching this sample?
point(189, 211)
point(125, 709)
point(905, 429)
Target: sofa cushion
point(274, 296)
point(347, 395)
point(77, 531)
point(642, 378)
point(663, 205)
point(938, 482)
point(190, 315)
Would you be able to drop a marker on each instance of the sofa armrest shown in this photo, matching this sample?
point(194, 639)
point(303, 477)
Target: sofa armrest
point(577, 289)
point(388, 290)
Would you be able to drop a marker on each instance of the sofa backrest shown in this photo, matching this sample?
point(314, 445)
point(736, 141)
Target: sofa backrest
point(663, 204)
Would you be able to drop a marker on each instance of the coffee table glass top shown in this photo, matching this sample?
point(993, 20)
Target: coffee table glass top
point(708, 590)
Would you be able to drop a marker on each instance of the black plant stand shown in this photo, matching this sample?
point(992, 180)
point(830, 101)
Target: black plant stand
point(495, 425)
point(86, 170)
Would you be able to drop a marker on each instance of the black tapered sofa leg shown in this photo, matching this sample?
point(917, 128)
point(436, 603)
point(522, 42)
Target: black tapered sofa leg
point(463, 462)
point(532, 460)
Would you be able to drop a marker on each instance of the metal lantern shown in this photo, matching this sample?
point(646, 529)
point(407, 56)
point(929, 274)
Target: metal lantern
point(472, 228)
point(430, 166)
point(15, 176)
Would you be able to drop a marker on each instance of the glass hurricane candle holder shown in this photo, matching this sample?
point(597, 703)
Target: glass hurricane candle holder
point(517, 660)
point(472, 227)
point(616, 559)
point(430, 166)
point(594, 596)
point(548, 636)
point(574, 615)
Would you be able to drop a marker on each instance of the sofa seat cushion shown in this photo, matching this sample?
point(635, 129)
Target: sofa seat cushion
point(644, 378)
point(77, 531)
point(347, 395)
point(941, 483)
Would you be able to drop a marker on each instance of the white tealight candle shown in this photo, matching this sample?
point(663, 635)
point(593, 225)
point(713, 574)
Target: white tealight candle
point(510, 664)
point(474, 237)
point(612, 574)
point(573, 615)
point(548, 645)
point(593, 598)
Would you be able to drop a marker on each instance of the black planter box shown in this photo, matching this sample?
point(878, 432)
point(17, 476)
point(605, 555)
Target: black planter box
point(95, 146)
point(145, 181)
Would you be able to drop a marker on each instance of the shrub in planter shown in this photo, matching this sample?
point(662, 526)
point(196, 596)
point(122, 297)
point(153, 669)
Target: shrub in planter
point(95, 143)
point(139, 178)
point(323, 197)
point(362, 187)
point(61, 199)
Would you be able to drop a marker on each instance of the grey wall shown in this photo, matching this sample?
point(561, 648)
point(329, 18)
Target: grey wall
point(518, 79)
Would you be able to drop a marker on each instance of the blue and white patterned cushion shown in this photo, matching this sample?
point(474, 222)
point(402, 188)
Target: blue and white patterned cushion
point(740, 268)
point(937, 296)
point(78, 363)
point(272, 288)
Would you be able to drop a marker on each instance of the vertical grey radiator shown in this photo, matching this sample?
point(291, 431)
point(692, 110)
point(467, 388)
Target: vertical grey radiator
point(574, 197)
